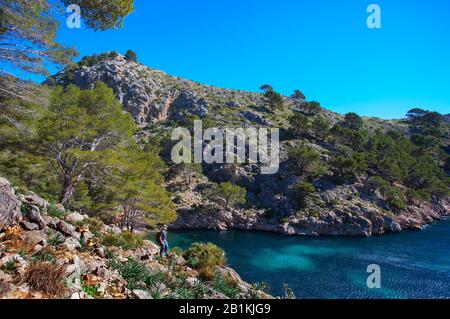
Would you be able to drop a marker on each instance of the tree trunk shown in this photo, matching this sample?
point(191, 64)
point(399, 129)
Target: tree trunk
point(67, 192)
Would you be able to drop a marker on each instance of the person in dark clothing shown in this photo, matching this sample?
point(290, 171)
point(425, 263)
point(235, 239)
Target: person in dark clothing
point(163, 242)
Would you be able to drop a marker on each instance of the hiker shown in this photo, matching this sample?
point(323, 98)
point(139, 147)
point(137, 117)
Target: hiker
point(162, 239)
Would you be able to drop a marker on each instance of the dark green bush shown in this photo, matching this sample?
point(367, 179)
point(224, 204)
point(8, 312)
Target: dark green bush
point(205, 257)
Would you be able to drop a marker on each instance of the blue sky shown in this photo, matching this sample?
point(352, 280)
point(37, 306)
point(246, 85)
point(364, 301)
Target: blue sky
point(322, 47)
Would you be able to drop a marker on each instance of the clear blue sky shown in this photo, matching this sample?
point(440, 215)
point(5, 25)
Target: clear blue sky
point(322, 47)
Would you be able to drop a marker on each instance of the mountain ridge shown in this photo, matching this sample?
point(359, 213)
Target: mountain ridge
point(112, 66)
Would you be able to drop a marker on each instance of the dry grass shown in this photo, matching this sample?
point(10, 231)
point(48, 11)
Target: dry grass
point(14, 243)
point(207, 273)
point(48, 278)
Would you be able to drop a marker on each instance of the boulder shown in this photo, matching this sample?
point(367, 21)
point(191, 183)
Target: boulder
point(71, 244)
point(29, 226)
point(33, 199)
point(51, 222)
point(100, 252)
point(38, 248)
point(68, 230)
point(191, 281)
point(34, 216)
point(141, 294)
point(9, 205)
point(60, 207)
point(80, 295)
point(86, 236)
point(74, 218)
point(35, 237)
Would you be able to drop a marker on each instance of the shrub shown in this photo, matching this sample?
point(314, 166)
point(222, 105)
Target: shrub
point(269, 213)
point(257, 288)
point(152, 279)
point(183, 293)
point(302, 190)
point(314, 213)
point(126, 240)
point(397, 204)
point(229, 194)
point(10, 265)
point(133, 272)
point(305, 162)
point(298, 95)
point(45, 255)
point(226, 285)
point(110, 254)
point(46, 277)
point(412, 194)
point(56, 239)
point(275, 99)
point(91, 290)
point(207, 273)
point(178, 251)
point(377, 183)
point(300, 124)
point(205, 258)
point(347, 168)
point(288, 292)
point(353, 121)
point(95, 225)
point(131, 55)
point(200, 290)
point(54, 211)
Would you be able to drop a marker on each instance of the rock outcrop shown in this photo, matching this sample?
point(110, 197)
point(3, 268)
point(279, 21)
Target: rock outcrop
point(9, 205)
point(340, 211)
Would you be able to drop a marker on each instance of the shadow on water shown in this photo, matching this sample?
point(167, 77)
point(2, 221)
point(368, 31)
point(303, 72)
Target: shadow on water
point(413, 264)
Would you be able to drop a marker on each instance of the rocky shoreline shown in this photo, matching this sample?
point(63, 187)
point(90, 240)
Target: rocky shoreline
point(349, 218)
point(66, 257)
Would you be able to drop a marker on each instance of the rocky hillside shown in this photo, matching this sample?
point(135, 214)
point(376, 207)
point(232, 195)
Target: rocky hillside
point(154, 96)
point(337, 205)
point(47, 252)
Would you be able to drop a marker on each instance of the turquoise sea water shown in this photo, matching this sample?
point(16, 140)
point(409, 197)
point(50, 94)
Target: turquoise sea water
point(413, 264)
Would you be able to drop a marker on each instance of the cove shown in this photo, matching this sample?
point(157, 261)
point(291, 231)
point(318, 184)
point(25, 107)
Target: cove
point(413, 264)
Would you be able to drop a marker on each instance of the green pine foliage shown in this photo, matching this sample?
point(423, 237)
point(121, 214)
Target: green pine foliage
point(229, 194)
point(305, 162)
point(80, 151)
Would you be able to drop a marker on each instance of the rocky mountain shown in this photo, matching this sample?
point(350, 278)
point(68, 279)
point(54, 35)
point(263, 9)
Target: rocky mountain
point(158, 102)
